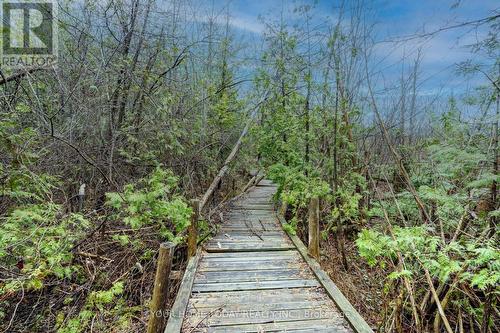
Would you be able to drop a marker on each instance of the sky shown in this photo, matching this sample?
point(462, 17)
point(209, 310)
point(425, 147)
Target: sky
point(395, 20)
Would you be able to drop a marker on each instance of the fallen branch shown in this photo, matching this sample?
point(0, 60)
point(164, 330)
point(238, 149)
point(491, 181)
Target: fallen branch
point(18, 75)
point(438, 303)
point(94, 256)
point(208, 194)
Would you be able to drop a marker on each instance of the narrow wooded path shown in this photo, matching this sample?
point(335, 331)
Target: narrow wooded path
point(253, 277)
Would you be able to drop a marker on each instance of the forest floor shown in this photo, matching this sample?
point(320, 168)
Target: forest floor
point(361, 284)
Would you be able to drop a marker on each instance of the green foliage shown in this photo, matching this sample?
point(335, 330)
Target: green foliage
point(399, 274)
point(39, 239)
point(99, 299)
point(448, 208)
point(153, 201)
point(17, 181)
point(486, 263)
point(453, 177)
point(99, 304)
point(290, 229)
point(280, 134)
point(454, 164)
point(143, 148)
point(223, 108)
point(347, 198)
point(295, 188)
point(419, 248)
point(372, 246)
point(122, 239)
point(485, 181)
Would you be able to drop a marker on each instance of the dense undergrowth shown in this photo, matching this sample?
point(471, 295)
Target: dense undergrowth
point(100, 154)
point(47, 246)
point(455, 252)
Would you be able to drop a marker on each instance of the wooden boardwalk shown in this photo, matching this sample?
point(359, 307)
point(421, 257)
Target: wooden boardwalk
point(252, 277)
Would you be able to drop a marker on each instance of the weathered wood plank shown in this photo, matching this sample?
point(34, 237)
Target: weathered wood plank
point(254, 260)
point(194, 308)
point(242, 227)
point(221, 317)
point(260, 296)
point(260, 285)
point(259, 215)
point(208, 255)
point(280, 263)
point(246, 232)
point(325, 325)
point(266, 182)
point(254, 222)
point(244, 220)
point(250, 256)
point(228, 267)
point(266, 248)
point(250, 238)
point(257, 275)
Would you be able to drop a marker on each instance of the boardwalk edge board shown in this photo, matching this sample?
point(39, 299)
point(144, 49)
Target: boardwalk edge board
point(176, 318)
point(352, 316)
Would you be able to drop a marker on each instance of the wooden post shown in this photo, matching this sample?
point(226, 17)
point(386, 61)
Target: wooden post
point(157, 309)
point(193, 229)
point(314, 228)
point(283, 209)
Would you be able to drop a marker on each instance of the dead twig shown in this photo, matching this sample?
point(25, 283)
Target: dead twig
point(210, 314)
point(253, 231)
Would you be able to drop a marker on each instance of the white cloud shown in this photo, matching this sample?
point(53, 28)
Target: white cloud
point(247, 24)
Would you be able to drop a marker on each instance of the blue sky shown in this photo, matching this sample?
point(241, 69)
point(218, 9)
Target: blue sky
point(395, 19)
